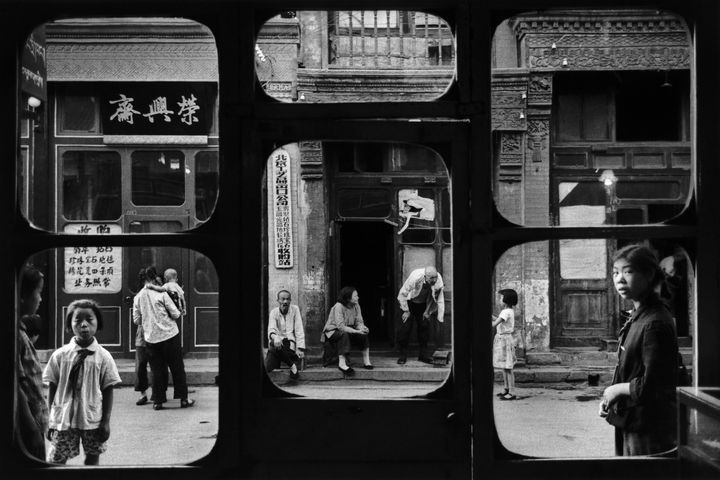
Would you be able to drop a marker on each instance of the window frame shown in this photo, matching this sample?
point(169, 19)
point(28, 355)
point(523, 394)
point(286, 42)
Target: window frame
point(246, 113)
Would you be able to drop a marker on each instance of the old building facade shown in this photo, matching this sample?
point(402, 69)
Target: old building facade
point(590, 124)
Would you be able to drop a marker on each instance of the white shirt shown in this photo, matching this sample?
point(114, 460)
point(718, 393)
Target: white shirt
point(156, 312)
point(83, 408)
point(288, 326)
point(412, 288)
point(508, 323)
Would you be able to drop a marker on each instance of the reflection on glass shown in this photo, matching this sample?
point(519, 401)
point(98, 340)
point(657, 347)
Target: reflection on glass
point(566, 326)
point(206, 279)
point(368, 55)
point(78, 114)
point(69, 275)
point(375, 211)
point(206, 183)
point(91, 185)
point(158, 178)
point(575, 97)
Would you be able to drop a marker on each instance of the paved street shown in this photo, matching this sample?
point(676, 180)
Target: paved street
point(143, 436)
point(559, 421)
point(554, 422)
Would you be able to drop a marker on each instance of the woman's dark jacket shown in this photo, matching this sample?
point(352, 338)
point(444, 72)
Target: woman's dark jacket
point(648, 360)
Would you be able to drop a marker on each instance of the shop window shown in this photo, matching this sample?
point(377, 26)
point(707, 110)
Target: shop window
point(413, 53)
point(158, 177)
point(109, 277)
point(365, 228)
point(205, 275)
point(206, 184)
point(366, 203)
point(91, 185)
point(110, 134)
point(567, 300)
point(78, 114)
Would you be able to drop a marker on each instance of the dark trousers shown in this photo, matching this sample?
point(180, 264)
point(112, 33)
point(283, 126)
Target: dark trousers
point(340, 343)
point(142, 358)
point(164, 355)
point(645, 443)
point(423, 329)
point(284, 354)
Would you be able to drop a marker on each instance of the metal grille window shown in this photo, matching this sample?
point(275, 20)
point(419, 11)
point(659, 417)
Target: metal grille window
point(389, 39)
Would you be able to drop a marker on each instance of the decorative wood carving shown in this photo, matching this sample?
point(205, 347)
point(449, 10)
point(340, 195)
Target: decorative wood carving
point(311, 160)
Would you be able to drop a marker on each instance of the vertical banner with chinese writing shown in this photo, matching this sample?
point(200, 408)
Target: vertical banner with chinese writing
point(93, 269)
point(33, 78)
point(282, 208)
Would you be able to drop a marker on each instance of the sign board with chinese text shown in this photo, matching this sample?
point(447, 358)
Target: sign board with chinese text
point(92, 270)
point(33, 70)
point(282, 209)
point(156, 108)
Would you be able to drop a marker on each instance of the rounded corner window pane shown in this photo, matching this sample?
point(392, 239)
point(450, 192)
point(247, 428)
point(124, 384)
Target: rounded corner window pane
point(557, 321)
point(60, 290)
point(585, 115)
point(366, 55)
point(102, 140)
point(359, 221)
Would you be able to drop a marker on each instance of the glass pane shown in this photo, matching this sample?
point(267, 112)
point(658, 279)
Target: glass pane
point(158, 177)
point(91, 185)
point(578, 98)
point(206, 183)
point(328, 228)
point(558, 342)
point(364, 203)
point(110, 134)
point(355, 56)
point(78, 114)
point(47, 307)
point(206, 278)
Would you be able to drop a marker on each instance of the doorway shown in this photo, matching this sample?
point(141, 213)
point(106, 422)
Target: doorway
point(366, 262)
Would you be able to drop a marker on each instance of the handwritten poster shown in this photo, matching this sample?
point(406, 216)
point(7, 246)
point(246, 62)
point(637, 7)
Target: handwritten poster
point(93, 269)
point(282, 209)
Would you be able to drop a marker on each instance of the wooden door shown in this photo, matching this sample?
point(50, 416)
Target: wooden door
point(583, 290)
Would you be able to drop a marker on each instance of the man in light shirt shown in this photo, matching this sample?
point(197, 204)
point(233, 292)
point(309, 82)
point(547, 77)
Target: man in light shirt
point(157, 314)
point(421, 300)
point(286, 336)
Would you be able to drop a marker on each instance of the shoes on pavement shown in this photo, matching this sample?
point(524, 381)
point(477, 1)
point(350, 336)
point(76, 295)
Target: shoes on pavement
point(143, 400)
point(425, 359)
point(295, 375)
point(185, 403)
point(501, 394)
point(157, 406)
point(369, 366)
point(508, 396)
point(402, 360)
point(347, 371)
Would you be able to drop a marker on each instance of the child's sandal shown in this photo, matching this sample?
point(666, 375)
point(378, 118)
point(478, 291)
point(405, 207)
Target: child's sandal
point(508, 396)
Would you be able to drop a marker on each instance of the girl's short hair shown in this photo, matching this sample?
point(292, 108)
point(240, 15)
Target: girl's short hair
point(642, 259)
point(30, 278)
point(509, 296)
point(83, 303)
point(345, 294)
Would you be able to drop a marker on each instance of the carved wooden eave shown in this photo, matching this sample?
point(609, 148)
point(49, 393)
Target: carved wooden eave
point(354, 85)
point(603, 40)
point(509, 99)
point(119, 50)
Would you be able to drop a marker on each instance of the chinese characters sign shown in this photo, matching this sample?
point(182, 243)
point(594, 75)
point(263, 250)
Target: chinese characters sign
point(34, 65)
point(165, 108)
point(282, 208)
point(93, 269)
